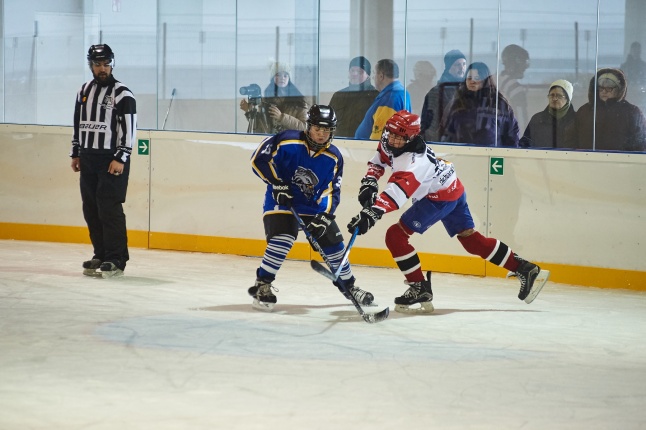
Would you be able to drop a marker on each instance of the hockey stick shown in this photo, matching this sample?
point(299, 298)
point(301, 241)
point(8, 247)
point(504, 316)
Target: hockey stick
point(369, 318)
point(318, 267)
point(172, 97)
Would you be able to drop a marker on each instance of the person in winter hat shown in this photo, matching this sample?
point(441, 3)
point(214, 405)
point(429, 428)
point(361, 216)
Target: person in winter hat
point(352, 102)
point(439, 97)
point(283, 108)
point(618, 125)
point(549, 127)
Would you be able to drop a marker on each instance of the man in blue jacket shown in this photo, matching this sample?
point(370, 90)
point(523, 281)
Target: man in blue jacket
point(392, 98)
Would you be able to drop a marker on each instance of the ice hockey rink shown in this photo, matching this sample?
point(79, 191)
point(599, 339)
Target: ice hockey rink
point(175, 344)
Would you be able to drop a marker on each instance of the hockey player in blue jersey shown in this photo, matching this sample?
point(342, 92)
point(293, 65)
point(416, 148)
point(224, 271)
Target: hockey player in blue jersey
point(303, 170)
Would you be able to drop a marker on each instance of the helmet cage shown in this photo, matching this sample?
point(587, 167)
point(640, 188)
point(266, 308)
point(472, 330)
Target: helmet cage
point(404, 124)
point(320, 116)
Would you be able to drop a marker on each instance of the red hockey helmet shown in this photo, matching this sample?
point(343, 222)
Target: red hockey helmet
point(404, 124)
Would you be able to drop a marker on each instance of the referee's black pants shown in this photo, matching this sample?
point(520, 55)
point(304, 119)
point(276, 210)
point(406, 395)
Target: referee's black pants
point(103, 195)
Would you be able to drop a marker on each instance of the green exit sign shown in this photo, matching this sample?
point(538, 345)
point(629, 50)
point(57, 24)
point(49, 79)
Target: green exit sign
point(497, 166)
point(143, 147)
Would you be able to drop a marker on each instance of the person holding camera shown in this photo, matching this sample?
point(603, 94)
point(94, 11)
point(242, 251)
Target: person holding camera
point(283, 108)
point(302, 170)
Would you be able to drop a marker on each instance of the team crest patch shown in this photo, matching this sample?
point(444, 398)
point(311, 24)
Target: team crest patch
point(305, 180)
point(107, 102)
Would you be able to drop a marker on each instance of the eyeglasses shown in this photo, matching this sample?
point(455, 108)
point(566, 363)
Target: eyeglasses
point(606, 89)
point(555, 96)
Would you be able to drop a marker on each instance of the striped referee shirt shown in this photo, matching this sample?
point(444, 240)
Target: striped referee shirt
point(105, 120)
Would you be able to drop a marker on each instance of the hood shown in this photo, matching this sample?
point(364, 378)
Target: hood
point(622, 81)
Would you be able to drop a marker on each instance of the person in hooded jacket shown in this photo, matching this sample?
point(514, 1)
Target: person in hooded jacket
point(479, 114)
point(547, 128)
point(618, 124)
point(439, 97)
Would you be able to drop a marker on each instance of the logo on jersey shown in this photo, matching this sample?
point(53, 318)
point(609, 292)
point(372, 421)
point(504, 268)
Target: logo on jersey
point(108, 102)
point(305, 180)
point(92, 126)
point(446, 175)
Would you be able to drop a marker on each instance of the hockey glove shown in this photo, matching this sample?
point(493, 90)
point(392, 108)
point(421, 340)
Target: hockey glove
point(319, 224)
point(366, 219)
point(282, 194)
point(368, 191)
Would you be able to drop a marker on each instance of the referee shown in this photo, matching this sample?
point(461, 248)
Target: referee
point(105, 127)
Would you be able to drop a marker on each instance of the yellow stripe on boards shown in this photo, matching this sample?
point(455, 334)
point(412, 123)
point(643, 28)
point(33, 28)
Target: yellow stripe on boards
point(461, 265)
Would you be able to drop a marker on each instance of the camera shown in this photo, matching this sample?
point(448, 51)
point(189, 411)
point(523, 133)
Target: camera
point(252, 91)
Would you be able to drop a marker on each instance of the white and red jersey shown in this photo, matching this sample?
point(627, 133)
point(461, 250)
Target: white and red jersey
point(416, 175)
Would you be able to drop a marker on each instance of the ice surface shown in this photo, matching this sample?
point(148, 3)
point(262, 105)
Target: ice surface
point(175, 344)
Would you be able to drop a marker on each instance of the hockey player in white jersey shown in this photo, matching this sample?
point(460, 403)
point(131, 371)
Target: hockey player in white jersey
point(302, 170)
point(437, 195)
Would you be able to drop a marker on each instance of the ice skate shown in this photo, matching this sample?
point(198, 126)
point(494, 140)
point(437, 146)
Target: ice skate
point(263, 296)
point(418, 292)
point(362, 297)
point(90, 267)
point(110, 270)
point(532, 280)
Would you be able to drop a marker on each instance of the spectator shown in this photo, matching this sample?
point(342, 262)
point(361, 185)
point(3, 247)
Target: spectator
point(352, 102)
point(515, 60)
point(635, 70)
point(618, 125)
point(479, 114)
point(392, 98)
point(547, 129)
point(439, 97)
point(424, 74)
point(284, 107)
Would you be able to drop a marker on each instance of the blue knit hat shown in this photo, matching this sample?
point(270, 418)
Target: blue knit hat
point(451, 57)
point(361, 62)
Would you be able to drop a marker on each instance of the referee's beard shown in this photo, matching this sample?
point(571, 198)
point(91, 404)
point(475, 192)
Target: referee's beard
point(102, 78)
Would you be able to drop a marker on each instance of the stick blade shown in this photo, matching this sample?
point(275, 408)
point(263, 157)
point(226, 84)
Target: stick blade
point(321, 269)
point(375, 318)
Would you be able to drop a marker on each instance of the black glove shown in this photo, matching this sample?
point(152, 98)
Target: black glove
point(366, 219)
point(282, 194)
point(319, 224)
point(368, 191)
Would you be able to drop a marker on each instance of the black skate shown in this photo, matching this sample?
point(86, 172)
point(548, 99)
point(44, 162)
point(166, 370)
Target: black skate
point(418, 292)
point(110, 270)
point(90, 267)
point(362, 297)
point(263, 296)
point(532, 280)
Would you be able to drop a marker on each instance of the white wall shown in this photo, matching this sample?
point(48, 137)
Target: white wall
point(567, 208)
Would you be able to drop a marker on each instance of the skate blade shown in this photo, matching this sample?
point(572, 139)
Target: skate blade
point(112, 274)
point(262, 306)
point(424, 308)
point(539, 283)
point(92, 273)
